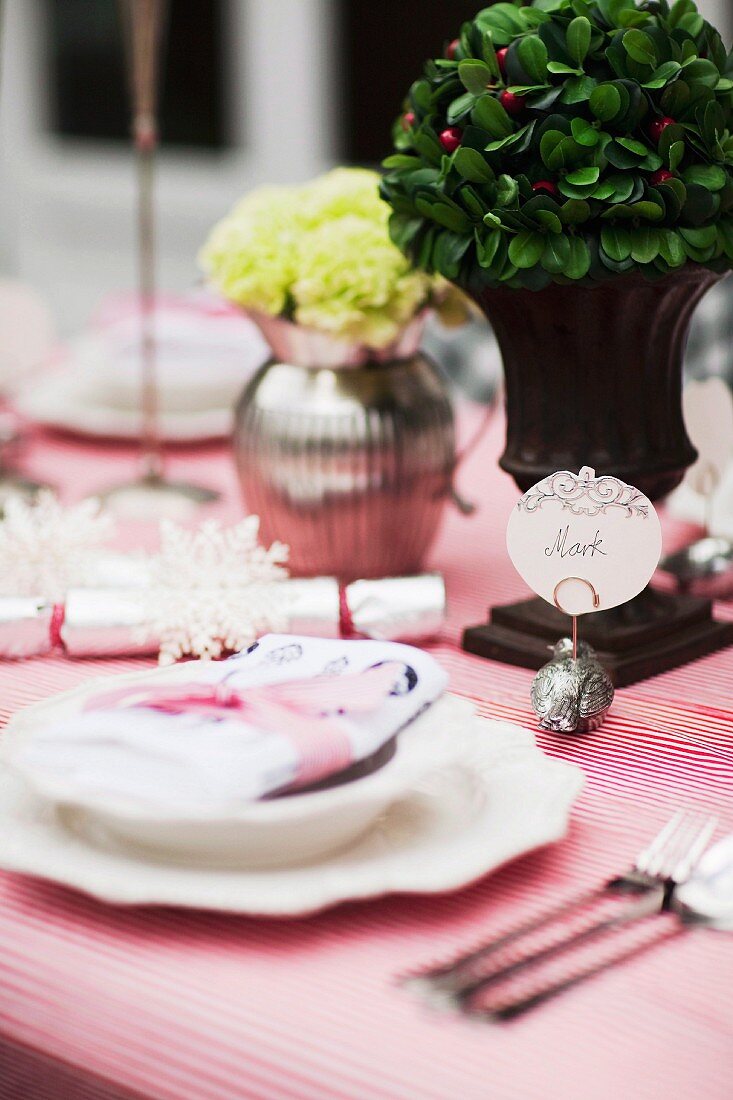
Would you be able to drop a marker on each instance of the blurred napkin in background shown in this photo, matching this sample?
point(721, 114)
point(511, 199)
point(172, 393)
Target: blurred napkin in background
point(206, 351)
point(289, 712)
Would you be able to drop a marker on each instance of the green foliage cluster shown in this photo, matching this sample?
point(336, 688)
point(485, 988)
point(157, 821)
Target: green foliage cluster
point(611, 153)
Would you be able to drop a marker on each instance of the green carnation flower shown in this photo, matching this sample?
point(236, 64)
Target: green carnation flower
point(319, 254)
point(368, 301)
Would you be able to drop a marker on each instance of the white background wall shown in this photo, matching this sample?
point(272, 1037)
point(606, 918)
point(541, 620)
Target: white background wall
point(66, 210)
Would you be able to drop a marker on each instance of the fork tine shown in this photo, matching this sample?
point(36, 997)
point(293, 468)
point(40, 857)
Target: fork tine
point(677, 844)
point(655, 846)
point(689, 860)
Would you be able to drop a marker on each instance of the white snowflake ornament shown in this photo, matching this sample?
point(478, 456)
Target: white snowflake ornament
point(214, 589)
point(47, 548)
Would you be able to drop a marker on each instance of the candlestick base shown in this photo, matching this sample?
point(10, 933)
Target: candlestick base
point(153, 497)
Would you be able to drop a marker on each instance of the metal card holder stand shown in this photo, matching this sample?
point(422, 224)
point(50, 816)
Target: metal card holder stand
point(572, 693)
point(558, 605)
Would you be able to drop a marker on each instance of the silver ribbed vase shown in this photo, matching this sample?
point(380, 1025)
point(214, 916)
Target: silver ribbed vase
point(345, 454)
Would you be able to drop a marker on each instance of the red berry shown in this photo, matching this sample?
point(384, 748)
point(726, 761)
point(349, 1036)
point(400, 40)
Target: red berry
point(547, 186)
point(658, 126)
point(512, 104)
point(408, 120)
point(661, 176)
point(451, 138)
point(451, 49)
point(501, 58)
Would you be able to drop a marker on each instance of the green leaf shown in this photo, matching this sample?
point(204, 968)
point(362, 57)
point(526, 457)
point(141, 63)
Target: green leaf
point(662, 76)
point(633, 145)
point(460, 107)
point(671, 248)
point(489, 114)
point(400, 161)
point(620, 157)
point(699, 238)
point(532, 56)
point(640, 47)
point(471, 201)
point(548, 220)
point(475, 75)
point(448, 253)
point(556, 253)
point(650, 211)
point(489, 55)
point(574, 212)
point(616, 242)
point(693, 23)
point(584, 133)
point(559, 150)
point(725, 233)
point(701, 71)
point(526, 249)
point(699, 206)
point(578, 89)
point(506, 191)
point(471, 165)
point(710, 176)
point(644, 245)
point(578, 37)
point(676, 153)
point(578, 262)
point(559, 68)
point(621, 184)
point(605, 102)
point(486, 247)
point(582, 177)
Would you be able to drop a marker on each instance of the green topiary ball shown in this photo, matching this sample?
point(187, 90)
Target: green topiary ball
point(566, 140)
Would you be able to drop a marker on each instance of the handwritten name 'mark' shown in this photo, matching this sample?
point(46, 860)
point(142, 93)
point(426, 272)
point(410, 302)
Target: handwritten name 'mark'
point(565, 548)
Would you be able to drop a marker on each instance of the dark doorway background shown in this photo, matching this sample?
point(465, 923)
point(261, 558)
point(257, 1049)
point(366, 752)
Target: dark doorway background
point(383, 45)
point(88, 86)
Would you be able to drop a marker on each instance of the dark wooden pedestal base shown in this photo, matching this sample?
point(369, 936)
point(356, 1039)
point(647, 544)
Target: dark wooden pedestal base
point(651, 634)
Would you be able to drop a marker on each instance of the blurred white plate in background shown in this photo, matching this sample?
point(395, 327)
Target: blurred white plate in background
point(206, 352)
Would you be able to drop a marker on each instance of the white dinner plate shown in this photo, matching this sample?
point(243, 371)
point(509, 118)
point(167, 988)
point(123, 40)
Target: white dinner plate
point(64, 400)
point(492, 796)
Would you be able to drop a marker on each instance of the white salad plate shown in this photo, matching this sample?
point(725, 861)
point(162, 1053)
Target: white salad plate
point(487, 795)
point(285, 831)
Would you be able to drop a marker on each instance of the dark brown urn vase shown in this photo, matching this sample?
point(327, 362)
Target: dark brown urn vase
point(593, 377)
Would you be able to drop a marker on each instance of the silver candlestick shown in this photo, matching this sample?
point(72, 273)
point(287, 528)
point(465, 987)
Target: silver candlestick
point(144, 26)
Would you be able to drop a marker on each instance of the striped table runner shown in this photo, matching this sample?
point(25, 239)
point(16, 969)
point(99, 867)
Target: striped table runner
point(109, 1003)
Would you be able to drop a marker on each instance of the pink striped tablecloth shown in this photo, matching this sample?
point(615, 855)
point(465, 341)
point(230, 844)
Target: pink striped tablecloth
point(97, 1002)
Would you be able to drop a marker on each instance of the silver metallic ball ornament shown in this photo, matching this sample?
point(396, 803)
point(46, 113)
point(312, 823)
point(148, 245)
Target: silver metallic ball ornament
point(571, 695)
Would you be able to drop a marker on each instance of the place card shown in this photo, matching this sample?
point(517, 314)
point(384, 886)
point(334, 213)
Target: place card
point(584, 542)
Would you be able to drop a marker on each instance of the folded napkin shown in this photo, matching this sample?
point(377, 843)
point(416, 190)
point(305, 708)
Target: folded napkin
point(289, 712)
point(205, 352)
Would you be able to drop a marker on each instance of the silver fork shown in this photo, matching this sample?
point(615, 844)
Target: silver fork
point(667, 866)
point(667, 860)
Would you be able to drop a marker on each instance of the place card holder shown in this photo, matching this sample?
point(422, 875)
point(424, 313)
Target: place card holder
point(613, 529)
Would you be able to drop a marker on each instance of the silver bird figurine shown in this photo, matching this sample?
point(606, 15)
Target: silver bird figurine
point(571, 695)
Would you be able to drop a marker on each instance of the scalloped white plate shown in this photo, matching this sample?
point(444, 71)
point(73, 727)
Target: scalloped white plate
point(64, 401)
point(496, 798)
